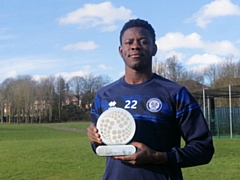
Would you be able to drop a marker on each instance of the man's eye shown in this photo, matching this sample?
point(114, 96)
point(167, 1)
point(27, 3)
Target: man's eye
point(144, 42)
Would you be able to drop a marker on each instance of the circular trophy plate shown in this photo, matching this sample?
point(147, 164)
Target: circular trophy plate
point(116, 126)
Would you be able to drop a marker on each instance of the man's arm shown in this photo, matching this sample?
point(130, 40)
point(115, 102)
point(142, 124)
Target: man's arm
point(194, 130)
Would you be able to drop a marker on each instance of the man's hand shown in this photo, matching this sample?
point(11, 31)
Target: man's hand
point(93, 135)
point(144, 155)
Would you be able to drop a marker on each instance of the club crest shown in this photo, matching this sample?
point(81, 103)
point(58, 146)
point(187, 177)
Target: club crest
point(154, 105)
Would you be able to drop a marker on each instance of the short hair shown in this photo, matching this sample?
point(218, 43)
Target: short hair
point(138, 23)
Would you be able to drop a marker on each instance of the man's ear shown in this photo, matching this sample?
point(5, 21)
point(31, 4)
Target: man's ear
point(120, 51)
point(154, 50)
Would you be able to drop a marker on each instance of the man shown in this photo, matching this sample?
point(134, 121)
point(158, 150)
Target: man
point(164, 113)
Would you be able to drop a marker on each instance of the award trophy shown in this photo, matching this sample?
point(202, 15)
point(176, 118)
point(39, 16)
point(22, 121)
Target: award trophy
point(116, 127)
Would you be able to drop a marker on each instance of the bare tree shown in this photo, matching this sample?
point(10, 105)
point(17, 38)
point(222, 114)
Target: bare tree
point(19, 95)
point(45, 97)
point(7, 87)
point(75, 83)
point(60, 85)
point(26, 100)
point(210, 74)
point(159, 68)
point(87, 86)
point(175, 69)
point(170, 69)
point(223, 74)
point(195, 76)
point(24, 97)
point(1, 104)
point(238, 68)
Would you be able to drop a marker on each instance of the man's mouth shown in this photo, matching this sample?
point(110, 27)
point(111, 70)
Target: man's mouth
point(136, 55)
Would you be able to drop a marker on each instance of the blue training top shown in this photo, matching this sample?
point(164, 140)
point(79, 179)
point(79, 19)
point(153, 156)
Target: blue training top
point(164, 112)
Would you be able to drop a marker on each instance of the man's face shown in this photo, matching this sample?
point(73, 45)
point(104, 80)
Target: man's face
point(137, 48)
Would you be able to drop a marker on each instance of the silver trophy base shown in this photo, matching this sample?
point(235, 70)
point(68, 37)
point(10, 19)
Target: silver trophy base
point(115, 150)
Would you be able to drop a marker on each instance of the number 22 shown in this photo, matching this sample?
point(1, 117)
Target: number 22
point(130, 104)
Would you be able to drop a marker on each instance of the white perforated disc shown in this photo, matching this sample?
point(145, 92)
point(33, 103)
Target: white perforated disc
point(116, 126)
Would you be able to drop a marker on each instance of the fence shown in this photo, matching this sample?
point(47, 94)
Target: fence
point(222, 124)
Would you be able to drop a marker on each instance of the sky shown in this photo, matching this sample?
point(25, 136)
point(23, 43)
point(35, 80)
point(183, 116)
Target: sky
point(74, 38)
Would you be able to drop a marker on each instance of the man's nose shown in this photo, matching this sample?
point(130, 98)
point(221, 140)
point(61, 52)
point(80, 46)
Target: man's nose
point(135, 45)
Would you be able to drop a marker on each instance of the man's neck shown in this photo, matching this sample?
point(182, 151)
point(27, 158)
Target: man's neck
point(137, 77)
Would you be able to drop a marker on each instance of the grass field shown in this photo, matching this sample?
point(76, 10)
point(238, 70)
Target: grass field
point(62, 151)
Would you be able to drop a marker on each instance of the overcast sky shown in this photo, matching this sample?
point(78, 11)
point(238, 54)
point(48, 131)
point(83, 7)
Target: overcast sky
point(74, 38)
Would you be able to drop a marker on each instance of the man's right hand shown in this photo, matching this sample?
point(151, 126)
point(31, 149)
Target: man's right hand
point(93, 135)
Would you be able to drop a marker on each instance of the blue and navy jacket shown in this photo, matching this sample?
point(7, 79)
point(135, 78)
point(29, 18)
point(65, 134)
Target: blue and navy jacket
point(165, 113)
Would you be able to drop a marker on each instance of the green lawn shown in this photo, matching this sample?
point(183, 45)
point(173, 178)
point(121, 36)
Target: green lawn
point(225, 164)
point(37, 151)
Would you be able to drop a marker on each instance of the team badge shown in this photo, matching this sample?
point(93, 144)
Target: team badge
point(154, 105)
